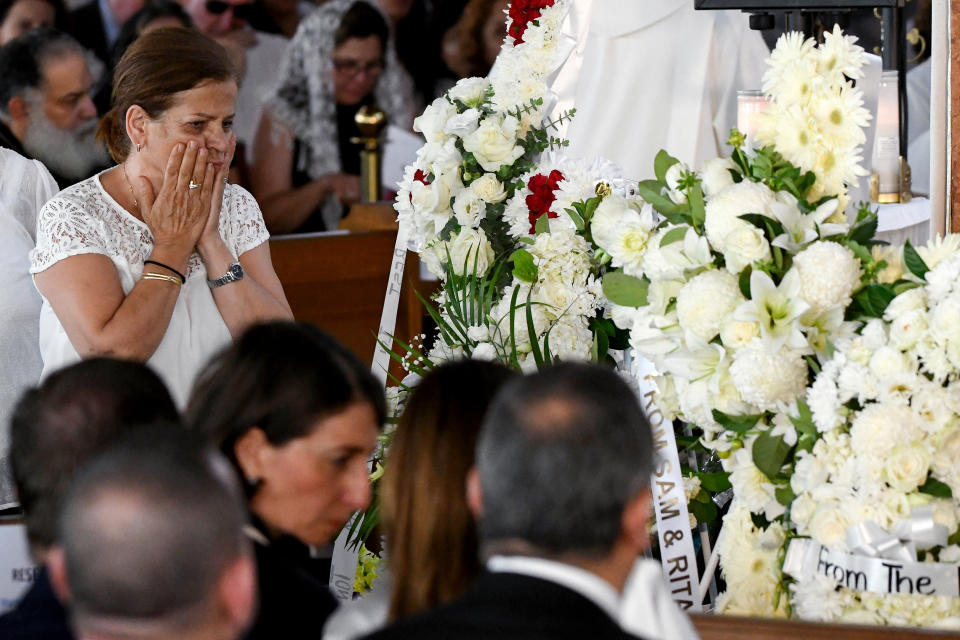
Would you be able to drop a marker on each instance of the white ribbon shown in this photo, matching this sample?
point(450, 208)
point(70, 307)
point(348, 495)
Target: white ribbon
point(343, 564)
point(669, 500)
point(806, 558)
point(919, 531)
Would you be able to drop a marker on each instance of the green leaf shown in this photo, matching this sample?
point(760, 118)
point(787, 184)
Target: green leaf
point(714, 482)
point(543, 224)
point(914, 262)
point(806, 429)
point(769, 453)
point(524, 267)
point(627, 291)
point(738, 424)
point(933, 487)
point(698, 211)
point(771, 228)
point(649, 190)
point(532, 334)
point(744, 281)
point(955, 538)
point(785, 495)
point(576, 217)
point(662, 164)
point(864, 230)
point(874, 298)
point(674, 235)
point(860, 251)
point(704, 512)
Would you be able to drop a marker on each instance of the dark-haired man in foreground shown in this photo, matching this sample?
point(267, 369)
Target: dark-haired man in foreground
point(561, 493)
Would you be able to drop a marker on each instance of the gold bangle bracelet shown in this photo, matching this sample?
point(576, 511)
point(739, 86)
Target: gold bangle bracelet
point(161, 276)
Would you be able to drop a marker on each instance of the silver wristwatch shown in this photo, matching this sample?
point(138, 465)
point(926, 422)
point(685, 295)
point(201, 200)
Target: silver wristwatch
point(234, 273)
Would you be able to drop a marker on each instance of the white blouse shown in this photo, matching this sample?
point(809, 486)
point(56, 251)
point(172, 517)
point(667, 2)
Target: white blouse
point(85, 219)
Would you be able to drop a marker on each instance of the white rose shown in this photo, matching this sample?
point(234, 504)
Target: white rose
point(736, 334)
point(744, 246)
point(431, 198)
point(888, 362)
point(906, 468)
point(907, 329)
point(945, 513)
point(488, 188)
point(907, 301)
point(672, 178)
point(469, 91)
point(494, 143)
point(725, 207)
point(433, 119)
point(715, 175)
point(468, 208)
point(828, 526)
point(463, 124)
point(440, 157)
point(468, 247)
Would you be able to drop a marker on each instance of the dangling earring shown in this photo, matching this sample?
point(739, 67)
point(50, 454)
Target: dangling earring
point(138, 147)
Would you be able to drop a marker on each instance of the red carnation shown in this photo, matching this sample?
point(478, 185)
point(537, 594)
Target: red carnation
point(542, 196)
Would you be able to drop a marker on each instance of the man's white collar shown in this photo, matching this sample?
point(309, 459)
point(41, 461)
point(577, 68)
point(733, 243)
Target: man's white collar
point(589, 585)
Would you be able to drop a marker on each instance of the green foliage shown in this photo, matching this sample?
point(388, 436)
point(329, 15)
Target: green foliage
point(872, 300)
point(806, 429)
point(914, 262)
point(933, 487)
point(737, 424)
point(769, 453)
point(524, 269)
point(624, 290)
point(674, 235)
point(662, 163)
point(714, 482)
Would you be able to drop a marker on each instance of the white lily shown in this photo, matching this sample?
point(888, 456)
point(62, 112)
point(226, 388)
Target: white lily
point(776, 309)
point(800, 229)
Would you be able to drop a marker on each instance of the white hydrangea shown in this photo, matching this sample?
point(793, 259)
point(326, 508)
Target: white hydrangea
point(705, 302)
point(769, 380)
point(829, 273)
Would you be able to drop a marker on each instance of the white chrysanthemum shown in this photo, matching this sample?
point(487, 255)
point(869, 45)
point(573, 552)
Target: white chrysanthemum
point(822, 396)
point(939, 248)
point(704, 303)
point(817, 598)
point(752, 487)
point(769, 380)
point(878, 428)
point(725, 207)
point(517, 215)
point(829, 273)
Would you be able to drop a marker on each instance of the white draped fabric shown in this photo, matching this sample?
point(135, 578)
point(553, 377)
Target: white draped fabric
point(654, 75)
point(25, 185)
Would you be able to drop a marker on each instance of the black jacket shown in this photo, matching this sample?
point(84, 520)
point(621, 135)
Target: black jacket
point(509, 606)
point(38, 615)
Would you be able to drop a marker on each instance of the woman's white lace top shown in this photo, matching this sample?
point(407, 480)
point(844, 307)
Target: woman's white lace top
point(85, 219)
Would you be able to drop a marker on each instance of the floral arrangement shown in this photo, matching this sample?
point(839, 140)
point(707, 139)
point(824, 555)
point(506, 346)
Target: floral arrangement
point(887, 421)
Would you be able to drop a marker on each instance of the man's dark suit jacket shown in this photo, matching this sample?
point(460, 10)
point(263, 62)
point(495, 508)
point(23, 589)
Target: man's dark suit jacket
point(38, 615)
point(510, 606)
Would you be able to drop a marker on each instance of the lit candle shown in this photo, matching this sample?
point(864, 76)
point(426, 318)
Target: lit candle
point(886, 144)
point(750, 104)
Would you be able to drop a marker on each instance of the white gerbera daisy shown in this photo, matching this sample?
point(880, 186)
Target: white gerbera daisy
point(839, 56)
point(840, 116)
point(797, 137)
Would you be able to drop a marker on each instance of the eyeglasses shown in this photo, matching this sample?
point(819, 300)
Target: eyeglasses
point(218, 7)
point(355, 67)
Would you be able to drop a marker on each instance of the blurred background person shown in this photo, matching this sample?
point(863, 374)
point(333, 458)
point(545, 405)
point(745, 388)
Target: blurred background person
point(255, 53)
point(96, 24)
point(280, 17)
point(152, 545)
point(298, 415)
point(473, 43)
point(137, 263)
point(155, 14)
point(432, 552)
point(24, 186)
point(57, 427)
point(46, 112)
point(19, 16)
point(306, 170)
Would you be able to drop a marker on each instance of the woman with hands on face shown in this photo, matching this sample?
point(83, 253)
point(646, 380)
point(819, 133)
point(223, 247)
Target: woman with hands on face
point(158, 259)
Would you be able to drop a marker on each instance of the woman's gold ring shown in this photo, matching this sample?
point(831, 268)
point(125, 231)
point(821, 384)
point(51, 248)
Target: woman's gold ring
point(194, 185)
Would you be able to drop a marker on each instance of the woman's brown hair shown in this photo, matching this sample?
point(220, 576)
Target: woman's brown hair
point(431, 536)
point(463, 44)
point(158, 65)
